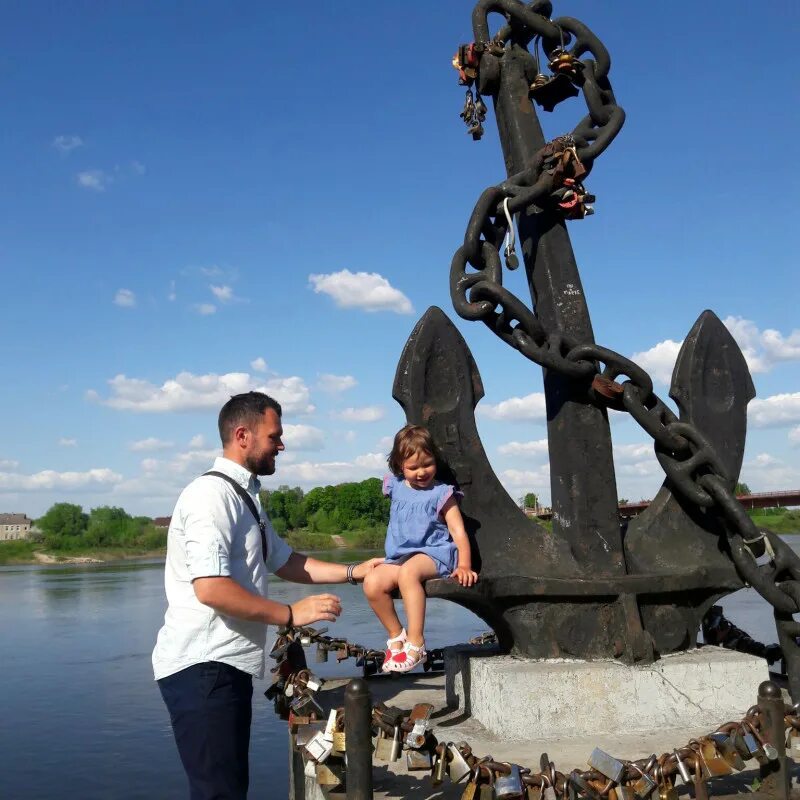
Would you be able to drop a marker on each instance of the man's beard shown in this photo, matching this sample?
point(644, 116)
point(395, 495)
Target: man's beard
point(265, 465)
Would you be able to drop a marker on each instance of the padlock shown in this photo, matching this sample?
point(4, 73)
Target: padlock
point(305, 732)
point(338, 742)
point(683, 770)
point(471, 787)
point(606, 765)
point(420, 714)
point(549, 92)
point(624, 792)
point(305, 640)
point(295, 721)
point(321, 655)
point(417, 760)
point(342, 654)
point(666, 787)
point(457, 767)
point(306, 706)
point(279, 647)
point(318, 748)
point(793, 744)
point(576, 783)
point(533, 792)
point(439, 765)
point(310, 769)
point(725, 746)
point(486, 790)
point(509, 787)
point(644, 786)
point(397, 745)
point(713, 761)
point(549, 793)
point(700, 787)
point(383, 746)
point(762, 751)
point(327, 776)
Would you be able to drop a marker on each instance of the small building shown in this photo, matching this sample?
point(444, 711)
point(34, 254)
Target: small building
point(162, 522)
point(14, 526)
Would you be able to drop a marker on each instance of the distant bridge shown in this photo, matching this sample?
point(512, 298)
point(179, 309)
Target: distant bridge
point(749, 501)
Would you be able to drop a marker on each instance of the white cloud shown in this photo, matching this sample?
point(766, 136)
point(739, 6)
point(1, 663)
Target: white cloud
point(204, 309)
point(362, 414)
point(172, 295)
point(64, 442)
point(372, 461)
point(765, 473)
point(149, 445)
point(385, 444)
point(303, 437)
point(659, 360)
point(534, 448)
point(94, 179)
point(309, 474)
point(336, 383)
point(633, 453)
point(125, 298)
point(8, 463)
point(66, 144)
point(762, 350)
point(529, 408)
point(63, 481)
point(188, 392)
point(775, 411)
point(794, 435)
point(223, 293)
point(137, 168)
point(150, 464)
point(258, 364)
point(529, 480)
point(197, 441)
point(368, 291)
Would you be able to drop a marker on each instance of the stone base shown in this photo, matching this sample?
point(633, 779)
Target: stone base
point(522, 699)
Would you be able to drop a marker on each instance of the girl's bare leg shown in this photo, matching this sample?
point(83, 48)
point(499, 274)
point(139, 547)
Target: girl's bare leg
point(378, 587)
point(413, 573)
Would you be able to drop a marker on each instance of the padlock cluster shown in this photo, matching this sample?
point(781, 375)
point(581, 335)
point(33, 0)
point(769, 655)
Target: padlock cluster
point(397, 731)
point(294, 687)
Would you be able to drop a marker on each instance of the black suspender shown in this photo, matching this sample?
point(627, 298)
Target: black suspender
point(250, 504)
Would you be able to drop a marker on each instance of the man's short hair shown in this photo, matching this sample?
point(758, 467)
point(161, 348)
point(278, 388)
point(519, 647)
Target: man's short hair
point(244, 409)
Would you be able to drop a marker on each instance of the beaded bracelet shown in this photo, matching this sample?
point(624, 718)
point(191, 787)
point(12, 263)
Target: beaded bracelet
point(350, 578)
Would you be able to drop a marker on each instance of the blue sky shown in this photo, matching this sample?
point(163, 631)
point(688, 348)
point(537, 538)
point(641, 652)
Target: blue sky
point(200, 199)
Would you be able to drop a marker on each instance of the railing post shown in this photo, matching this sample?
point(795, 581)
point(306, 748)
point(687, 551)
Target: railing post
point(358, 739)
point(774, 775)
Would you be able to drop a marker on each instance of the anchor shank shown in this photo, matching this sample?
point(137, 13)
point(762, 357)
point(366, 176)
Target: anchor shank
point(583, 485)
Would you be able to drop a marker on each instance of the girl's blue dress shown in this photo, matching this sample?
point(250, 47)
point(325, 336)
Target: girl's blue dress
point(415, 525)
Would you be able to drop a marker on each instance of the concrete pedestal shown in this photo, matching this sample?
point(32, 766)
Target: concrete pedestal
point(522, 699)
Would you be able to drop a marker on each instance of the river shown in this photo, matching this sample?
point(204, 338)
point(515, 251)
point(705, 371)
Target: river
point(81, 715)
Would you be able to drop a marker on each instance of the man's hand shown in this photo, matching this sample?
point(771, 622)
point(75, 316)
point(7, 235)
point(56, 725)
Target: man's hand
point(465, 576)
point(365, 567)
point(316, 608)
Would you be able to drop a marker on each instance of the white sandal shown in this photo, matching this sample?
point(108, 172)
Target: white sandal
point(408, 658)
point(390, 652)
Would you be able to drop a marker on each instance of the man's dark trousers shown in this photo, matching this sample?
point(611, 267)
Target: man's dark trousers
point(210, 707)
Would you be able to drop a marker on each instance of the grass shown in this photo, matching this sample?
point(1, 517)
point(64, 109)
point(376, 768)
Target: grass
point(784, 521)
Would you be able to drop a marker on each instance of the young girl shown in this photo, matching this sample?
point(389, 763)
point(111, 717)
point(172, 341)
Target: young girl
point(425, 539)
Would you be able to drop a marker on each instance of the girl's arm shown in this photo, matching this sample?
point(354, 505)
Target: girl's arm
point(463, 573)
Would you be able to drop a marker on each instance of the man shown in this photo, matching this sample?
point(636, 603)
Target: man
point(214, 634)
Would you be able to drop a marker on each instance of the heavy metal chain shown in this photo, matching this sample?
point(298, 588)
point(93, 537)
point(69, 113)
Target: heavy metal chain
point(691, 463)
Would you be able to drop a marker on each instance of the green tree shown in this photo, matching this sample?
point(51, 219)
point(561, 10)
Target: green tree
point(110, 526)
point(530, 500)
point(63, 524)
point(742, 488)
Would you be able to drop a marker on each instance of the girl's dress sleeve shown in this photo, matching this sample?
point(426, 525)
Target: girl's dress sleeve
point(388, 484)
point(446, 491)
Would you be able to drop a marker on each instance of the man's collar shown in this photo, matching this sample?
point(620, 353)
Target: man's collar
point(240, 474)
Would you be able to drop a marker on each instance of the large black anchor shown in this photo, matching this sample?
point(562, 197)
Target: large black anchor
point(589, 589)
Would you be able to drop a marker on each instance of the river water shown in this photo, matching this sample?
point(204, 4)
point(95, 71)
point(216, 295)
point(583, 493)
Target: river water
point(81, 716)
